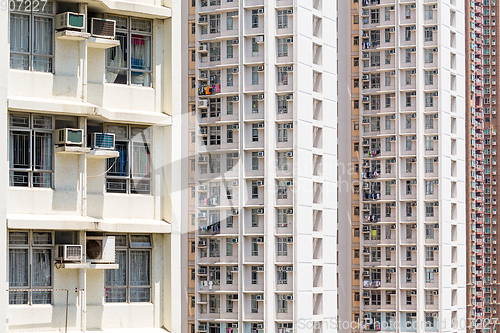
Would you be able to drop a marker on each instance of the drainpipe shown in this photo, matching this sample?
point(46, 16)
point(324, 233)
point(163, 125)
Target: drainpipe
point(83, 57)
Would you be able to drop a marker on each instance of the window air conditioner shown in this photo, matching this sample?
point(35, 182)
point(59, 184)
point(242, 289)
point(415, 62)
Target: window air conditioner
point(68, 252)
point(236, 98)
point(102, 141)
point(260, 268)
point(289, 154)
point(69, 20)
point(260, 68)
point(289, 211)
point(259, 39)
point(289, 40)
point(260, 154)
point(260, 211)
point(69, 136)
point(102, 28)
point(203, 48)
point(260, 240)
point(203, 103)
point(260, 326)
point(100, 249)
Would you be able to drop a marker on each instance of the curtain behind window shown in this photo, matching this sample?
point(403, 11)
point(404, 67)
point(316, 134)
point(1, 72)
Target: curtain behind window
point(139, 276)
point(18, 275)
point(42, 44)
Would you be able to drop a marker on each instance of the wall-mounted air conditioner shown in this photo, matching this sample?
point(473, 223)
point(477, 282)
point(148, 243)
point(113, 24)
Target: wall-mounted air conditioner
point(69, 136)
point(100, 249)
point(102, 141)
point(102, 28)
point(69, 20)
point(69, 252)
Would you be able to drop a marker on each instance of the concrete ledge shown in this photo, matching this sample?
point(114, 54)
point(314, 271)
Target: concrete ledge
point(147, 10)
point(76, 222)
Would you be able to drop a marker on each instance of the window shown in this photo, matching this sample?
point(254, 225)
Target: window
point(282, 19)
point(429, 187)
point(428, 35)
point(32, 36)
point(408, 143)
point(229, 107)
point(130, 62)
point(255, 247)
point(429, 209)
point(255, 75)
point(229, 51)
point(193, 29)
point(255, 18)
point(408, 121)
point(282, 246)
point(282, 133)
point(214, 303)
point(131, 282)
point(409, 165)
point(374, 16)
point(255, 190)
point(282, 104)
point(30, 267)
point(282, 161)
point(428, 56)
point(387, 192)
point(282, 218)
point(282, 76)
point(30, 150)
point(255, 134)
point(214, 135)
point(408, 99)
point(429, 275)
point(130, 172)
point(255, 161)
point(429, 297)
point(429, 143)
point(214, 49)
point(388, 144)
point(429, 165)
point(387, 13)
point(282, 47)
point(229, 82)
point(229, 247)
point(214, 23)
point(408, 56)
point(407, 34)
point(387, 57)
point(408, 209)
point(229, 303)
point(429, 121)
point(229, 20)
point(254, 304)
point(388, 166)
point(255, 48)
point(282, 190)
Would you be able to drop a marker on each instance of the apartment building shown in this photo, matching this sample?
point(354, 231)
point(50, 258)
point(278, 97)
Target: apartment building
point(262, 146)
point(404, 170)
point(87, 197)
point(481, 51)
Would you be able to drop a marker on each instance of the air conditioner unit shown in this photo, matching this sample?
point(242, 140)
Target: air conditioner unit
point(289, 97)
point(202, 243)
point(413, 28)
point(260, 154)
point(366, 294)
point(413, 248)
point(202, 215)
point(235, 41)
point(392, 73)
point(102, 141)
point(289, 183)
point(392, 8)
point(234, 240)
point(413, 138)
point(202, 188)
point(392, 29)
point(413, 72)
point(203, 48)
point(435, 292)
point(392, 51)
point(203, 75)
point(100, 249)
point(260, 68)
point(289, 40)
point(234, 212)
point(202, 327)
point(234, 183)
point(435, 72)
point(434, 28)
point(235, 70)
point(436, 248)
point(435, 50)
point(435, 270)
point(289, 297)
point(236, 98)
point(259, 39)
point(234, 269)
point(102, 28)
point(366, 98)
point(260, 211)
point(289, 154)
point(393, 248)
point(289, 240)
point(289, 68)
point(393, 138)
point(260, 240)
point(366, 273)
point(289, 126)
point(393, 226)
point(234, 126)
point(436, 159)
point(413, 292)
point(260, 11)
point(203, 103)
point(414, 181)
point(260, 326)
point(413, 6)
point(260, 268)
point(203, 19)
point(413, 270)
point(365, 78)
point(413, 93)
point(435, 93)
point(69, 252)
point(393, 182)
point(289, 211)
point(289, 268)
point(435, 137)
point(69, 20)
point(261, 98)
point(202, 159)
point(392, 270)
point(69, 136)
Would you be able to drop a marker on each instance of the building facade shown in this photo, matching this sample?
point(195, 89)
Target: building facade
point(68, 185)
point(404, 173)
point(262, 146)
point(481, 167)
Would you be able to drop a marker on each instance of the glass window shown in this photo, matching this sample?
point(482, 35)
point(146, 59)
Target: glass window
point(282, 19)
point(282, 47)
point(30, 267)
point(32, 36)
point(30, 150)
point(131, 282)
point(130, 62)
point(130, 172)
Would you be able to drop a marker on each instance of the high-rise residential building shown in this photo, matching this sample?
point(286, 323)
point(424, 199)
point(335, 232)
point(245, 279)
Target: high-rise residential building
point(90, 231)
point(402, 164)
point(480, 89)
point(262, 124)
